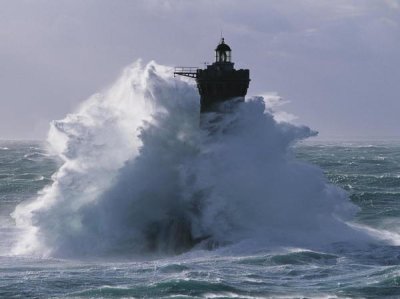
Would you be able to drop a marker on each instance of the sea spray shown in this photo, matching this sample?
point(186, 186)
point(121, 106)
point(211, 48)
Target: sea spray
point(94, 144)
point(144, 172)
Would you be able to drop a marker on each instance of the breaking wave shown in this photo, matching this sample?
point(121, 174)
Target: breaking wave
point(142, 171)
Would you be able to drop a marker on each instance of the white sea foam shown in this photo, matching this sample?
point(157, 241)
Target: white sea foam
point(142, 171)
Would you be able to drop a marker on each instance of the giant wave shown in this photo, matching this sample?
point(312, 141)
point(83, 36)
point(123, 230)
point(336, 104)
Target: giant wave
point(144, 172)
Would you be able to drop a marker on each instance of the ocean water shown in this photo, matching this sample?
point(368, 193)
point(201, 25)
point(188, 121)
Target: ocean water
point(134, 196)
point(369, 172)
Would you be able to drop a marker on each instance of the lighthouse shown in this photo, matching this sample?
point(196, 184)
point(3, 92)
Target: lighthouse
point(220, 81)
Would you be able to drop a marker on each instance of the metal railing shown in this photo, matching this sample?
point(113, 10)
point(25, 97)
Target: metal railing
point(187, 71)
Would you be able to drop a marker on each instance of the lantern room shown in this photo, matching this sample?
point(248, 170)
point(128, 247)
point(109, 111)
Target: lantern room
point(223, 52)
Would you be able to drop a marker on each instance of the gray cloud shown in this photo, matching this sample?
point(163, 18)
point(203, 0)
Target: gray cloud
point(337, 62)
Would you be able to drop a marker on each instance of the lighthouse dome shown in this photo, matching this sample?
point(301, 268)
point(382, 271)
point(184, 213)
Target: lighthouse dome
point(222, 47)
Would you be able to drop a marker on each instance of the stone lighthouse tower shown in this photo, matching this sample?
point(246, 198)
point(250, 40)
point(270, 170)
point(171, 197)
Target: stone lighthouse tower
point(220, 81)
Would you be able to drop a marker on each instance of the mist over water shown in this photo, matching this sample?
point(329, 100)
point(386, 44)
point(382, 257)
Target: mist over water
point(144, 172)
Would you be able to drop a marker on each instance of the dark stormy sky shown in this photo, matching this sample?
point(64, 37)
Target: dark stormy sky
point(336, 62)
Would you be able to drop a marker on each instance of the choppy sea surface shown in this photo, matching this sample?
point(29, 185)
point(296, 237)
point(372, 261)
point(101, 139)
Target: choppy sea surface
point(368, 171)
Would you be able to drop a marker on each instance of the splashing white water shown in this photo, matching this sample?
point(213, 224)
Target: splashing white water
point(140, 173)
